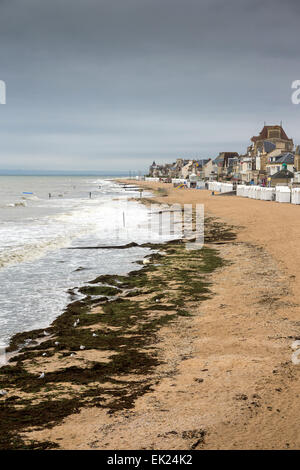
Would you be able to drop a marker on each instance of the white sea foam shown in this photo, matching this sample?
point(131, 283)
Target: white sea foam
point(16, 204)
point(37, 266)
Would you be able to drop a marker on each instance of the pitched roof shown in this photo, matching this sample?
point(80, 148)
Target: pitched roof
point(275, 153)
point(283, 174)
point(202, 162)
point(268, 146)
point(224, 156)
point(263, 135)
point(287, 158)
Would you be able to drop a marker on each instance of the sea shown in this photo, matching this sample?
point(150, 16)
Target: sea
point(50, 228)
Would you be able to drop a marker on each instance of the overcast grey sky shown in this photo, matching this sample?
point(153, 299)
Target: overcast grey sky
point(114, 84)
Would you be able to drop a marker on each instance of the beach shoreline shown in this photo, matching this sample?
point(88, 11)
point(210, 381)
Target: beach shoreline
point(215, 374)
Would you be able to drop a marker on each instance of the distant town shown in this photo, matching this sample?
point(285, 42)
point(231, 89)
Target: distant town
point(270, 160)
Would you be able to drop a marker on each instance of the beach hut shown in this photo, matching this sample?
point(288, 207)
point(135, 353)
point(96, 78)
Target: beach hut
point(295, 196)
point(252, 191)
point(192, 183)
point(240, 190)
point(226, 187)
point(283, 194)
point(215, 186)
point(268, 194)
point(258, 192)
point(246, 191)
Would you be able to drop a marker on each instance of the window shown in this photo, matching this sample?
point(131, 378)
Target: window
point(274, 133)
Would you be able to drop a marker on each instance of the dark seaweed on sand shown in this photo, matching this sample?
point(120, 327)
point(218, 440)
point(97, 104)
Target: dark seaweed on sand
point(125, 325)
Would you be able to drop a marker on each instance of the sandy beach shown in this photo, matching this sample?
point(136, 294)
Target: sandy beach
point(195, 354)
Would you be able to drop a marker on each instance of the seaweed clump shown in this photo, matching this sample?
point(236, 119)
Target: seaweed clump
point(120, 331)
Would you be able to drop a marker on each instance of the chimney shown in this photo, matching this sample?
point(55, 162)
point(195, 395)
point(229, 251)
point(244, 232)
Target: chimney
point(297, 158)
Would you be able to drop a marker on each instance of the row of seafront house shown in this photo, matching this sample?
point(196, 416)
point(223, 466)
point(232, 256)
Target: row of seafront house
point(270, 160)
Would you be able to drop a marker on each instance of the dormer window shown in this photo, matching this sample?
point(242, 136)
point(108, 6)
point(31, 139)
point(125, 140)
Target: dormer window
point(273, 134)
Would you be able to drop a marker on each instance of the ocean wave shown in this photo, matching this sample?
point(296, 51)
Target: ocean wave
point(27, 239)
point(16, 204)
point(31, 198)
point(32, 251)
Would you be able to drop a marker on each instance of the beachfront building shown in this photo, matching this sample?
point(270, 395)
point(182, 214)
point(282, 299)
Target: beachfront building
point(269, 146)
point(296, 178)
point(272, 142)
point(162, 171)
point(193, 167)
point(182, 168)
point(187, 169)
point(278, 162)
point(274, 135)
point(225, 162)
point(282, 177)
point(210, 170)
point(198, 168)
point(269, 153)
point(297, 159)
point(246, 169)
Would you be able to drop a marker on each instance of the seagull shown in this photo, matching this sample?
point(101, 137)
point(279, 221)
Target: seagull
point(42, 375)
point(3, 392)
point(75, 324)
point(72, 355)
point(56, 343)
point(157, 300)
point(45, 333)
point(44, 354)
point(82, 347)
point(94, 334)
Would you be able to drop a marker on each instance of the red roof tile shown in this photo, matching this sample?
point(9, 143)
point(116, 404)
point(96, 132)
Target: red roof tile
point(264, 133)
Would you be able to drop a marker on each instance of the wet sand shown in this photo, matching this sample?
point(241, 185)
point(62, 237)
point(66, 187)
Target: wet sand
point(223, 377)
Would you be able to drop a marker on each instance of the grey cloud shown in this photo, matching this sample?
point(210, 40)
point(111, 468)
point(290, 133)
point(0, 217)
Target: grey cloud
point(99, 84)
